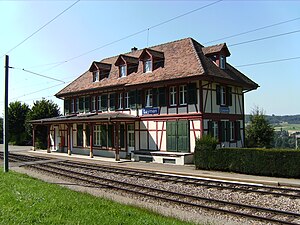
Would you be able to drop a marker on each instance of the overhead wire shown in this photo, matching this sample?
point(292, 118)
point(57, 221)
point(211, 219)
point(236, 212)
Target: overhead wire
point(35, 32)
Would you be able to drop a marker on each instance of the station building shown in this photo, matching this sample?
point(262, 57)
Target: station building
point(151, 104)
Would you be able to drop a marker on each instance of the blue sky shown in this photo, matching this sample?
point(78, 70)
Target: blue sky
point(92, 24)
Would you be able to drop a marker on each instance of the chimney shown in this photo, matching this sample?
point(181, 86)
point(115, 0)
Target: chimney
point(134, 49)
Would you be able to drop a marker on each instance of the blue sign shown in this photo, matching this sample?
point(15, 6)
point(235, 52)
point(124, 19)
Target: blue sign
point(147, 111)
point(224, 109)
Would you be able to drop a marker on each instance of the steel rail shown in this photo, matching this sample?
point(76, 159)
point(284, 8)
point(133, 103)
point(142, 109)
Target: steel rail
point(192, 181)
point(87, 178)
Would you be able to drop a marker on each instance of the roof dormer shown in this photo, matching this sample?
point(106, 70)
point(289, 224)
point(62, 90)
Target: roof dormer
point(151, 60)
point(100, 70)
point(218, 54)
point(127, 65)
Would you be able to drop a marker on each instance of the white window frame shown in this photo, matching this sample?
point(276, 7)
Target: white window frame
point(93, 109)
point(232, 130)
point(99, 102)
point(149, 98)
point(123, 70)
point(172, 96)
point(126, 96)
point(97, 135)
point(182, 95)
point(148, 66)
point(120, 101)
point(223, 95)
point(222, 62)
point(215, 128)
point(96, 76)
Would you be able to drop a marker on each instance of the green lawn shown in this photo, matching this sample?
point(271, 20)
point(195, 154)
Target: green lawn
point(288, 127)
point(25, 200)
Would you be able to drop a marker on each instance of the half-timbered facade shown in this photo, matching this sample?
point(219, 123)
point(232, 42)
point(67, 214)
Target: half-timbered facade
point(151, 104)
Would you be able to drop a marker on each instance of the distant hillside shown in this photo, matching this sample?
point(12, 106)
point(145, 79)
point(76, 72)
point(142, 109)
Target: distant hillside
point(293, 119)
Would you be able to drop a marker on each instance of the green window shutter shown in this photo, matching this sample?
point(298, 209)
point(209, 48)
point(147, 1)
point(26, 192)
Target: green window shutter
point(183, 136)
point(139, 99)
point(227, 124)
point(81, 103)
point(162, 96)
point(87, 134)
point(155, 97)
point(192, 93)
point(110, 135)
point(112, 103)
point(223, 131)
point(237, 126)
point(103, 137)
point(79, 135)
point(218, 95)
point(103, 102)
point(87, 104)
point(67, 106)
point(229, 96)
point(210, 128)
point(171, 136)
point(122, 135)
point(132, 99)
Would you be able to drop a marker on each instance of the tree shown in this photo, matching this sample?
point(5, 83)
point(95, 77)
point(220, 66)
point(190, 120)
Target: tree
point(17, 113)
point(1, 130)
point(40, 110)
point(259, 132)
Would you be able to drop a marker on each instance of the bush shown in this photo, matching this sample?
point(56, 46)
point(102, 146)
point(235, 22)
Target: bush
point(264, 162)
point(204, 146)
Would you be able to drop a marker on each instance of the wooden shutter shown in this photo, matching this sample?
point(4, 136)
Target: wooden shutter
point(112, 103)
point(81, 102)
point(171, 136)
point(192, 93)
point(122, 135)
point(155, 97)
point(162, 96)
point(183, 136)
point(229, 96)
point(132, 99)
point(237, 126)
point(67, 106)
point(210, 128)
point(110, 133)
point(218, 95)
point(227, 127)
point(79, 135)
point(103, 102)
point(103, 136)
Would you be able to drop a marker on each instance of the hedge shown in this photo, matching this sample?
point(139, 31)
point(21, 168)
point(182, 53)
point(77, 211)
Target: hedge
point(264, 162)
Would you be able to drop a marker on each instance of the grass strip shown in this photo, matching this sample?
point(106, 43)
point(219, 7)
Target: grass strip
point(26, 200)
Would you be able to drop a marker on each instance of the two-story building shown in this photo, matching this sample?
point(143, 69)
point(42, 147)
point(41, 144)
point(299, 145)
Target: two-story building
point(151, 104)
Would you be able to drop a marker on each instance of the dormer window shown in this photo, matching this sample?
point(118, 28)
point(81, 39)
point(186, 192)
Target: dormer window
point(122, 70)
point(147, 66)
point(95, 76)
point(222, 62)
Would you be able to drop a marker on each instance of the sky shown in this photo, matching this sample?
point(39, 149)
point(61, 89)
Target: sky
point(62, 50)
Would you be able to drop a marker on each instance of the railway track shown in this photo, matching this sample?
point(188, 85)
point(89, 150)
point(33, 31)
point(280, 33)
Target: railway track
point(233, 186)
point(254, 212)
point(87, 171)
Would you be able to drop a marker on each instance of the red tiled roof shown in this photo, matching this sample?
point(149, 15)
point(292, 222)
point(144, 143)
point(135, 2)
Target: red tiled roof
point(182, 59)
point(216, 49)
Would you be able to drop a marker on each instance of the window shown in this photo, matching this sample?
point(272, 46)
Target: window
point(182, 95)
point(173, 100)
point(67, 106)
point(232, 130)
point(93, 104)
point(100, 135)
point(112, 103)
point(126, 100)
point(122, 69)
point(99, 102)
point(73, 105)
point(77, 105)
point(224, 96)
point(120, 101)
point(149, 98)
point(222, 62)
point(213, 129)
point(95, 76)
point(104, 100)
point(147, 66)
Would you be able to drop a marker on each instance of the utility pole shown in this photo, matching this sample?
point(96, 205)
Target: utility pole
point(5, 121)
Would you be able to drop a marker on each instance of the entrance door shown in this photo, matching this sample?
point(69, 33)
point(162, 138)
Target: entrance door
point(130, 137)
point(178, 136)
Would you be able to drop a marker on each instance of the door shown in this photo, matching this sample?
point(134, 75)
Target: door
point(178, 136)
point(130, 138)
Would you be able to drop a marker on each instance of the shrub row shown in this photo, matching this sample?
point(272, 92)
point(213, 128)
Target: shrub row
point(265, 162)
